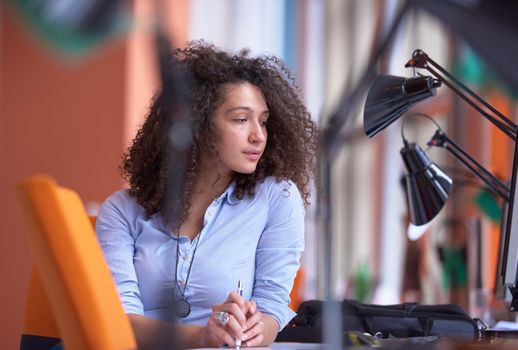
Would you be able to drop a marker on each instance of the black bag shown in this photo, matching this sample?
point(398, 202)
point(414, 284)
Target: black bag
point(401, 321)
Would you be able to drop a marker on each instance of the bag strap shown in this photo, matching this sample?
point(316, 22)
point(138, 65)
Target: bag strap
point(367, 324)
point(387, 310)
point(426, 325)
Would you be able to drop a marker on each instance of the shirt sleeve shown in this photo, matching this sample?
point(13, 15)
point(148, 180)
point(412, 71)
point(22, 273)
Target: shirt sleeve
point(278, 252)
point(118, 244)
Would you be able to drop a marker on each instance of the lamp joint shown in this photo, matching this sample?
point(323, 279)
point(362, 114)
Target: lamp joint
point(419, 60)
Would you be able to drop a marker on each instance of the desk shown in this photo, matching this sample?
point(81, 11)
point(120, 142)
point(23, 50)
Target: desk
point(282, 346)
point(441, 345)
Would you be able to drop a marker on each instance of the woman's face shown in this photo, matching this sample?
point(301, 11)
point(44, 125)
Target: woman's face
point(240, 123)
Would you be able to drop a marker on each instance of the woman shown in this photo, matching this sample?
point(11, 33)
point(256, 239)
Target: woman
point(240, 220)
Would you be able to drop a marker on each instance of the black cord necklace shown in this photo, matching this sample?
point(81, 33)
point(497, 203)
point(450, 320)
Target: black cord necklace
point(182, 306)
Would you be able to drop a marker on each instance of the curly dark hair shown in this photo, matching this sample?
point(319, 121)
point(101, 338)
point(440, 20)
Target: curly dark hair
point(290, 152)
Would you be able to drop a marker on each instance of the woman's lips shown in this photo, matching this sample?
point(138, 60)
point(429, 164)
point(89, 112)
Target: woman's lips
point(254, 155)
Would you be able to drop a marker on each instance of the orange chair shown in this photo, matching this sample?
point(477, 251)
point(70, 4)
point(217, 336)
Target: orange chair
point(40, 331)
point(78, 290)
point(297, 292)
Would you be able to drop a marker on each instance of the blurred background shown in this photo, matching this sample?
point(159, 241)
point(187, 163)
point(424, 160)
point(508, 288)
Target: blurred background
point(72, 98)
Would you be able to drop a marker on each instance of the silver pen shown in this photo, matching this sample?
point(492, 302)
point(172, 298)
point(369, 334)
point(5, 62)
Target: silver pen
point(240, 292)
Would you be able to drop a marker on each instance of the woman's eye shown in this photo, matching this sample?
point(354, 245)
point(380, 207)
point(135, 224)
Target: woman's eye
point(240, 120)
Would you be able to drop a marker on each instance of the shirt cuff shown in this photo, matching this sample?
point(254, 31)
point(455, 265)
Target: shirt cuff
point(132, 304)
point(279, 312)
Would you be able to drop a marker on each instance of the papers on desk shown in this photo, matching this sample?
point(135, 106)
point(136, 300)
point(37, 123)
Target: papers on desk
point(505, 326)
point(296, 346)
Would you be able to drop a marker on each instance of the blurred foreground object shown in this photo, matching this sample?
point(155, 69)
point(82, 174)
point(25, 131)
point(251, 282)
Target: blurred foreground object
point(72, 269)
point(72, 27)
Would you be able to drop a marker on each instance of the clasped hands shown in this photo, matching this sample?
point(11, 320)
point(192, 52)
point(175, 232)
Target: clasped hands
point(235, 319)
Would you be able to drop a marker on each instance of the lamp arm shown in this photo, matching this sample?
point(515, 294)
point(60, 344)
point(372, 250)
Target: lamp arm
point(509, 130)
point(421, 60)
point(440, 139)
point(507, 121)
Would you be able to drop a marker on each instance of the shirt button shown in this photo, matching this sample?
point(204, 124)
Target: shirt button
point(185, 257)
point(181, 282)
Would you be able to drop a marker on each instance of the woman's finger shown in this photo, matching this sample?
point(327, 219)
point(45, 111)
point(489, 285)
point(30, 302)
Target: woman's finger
point(234, 310)
point(217, 333)
point(254, 336)
point(251, 307)
point(234, 328)
point(234, 297)
point(253, 319)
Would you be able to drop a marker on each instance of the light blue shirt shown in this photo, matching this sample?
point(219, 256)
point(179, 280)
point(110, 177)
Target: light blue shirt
point(258, 240)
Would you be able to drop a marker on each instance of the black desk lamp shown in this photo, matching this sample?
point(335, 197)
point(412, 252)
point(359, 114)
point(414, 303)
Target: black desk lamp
point(428, 186)
point(390, 97)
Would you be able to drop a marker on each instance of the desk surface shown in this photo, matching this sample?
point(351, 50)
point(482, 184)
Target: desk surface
point(284, 346)
point(512, 345)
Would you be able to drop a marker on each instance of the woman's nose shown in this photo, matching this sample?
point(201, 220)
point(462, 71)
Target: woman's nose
point(258, 133)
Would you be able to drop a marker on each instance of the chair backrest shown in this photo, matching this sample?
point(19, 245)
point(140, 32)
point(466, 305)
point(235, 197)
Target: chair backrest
point(73, 271)
point(39, 330)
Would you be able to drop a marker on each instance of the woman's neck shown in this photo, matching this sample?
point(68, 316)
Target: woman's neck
point(208, 186)
point(211, 183)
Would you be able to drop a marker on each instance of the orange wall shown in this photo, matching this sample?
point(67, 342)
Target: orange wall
point(58, 117)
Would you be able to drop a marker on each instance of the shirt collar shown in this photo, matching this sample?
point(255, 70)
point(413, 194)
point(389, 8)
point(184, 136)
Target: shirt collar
point(229, 194)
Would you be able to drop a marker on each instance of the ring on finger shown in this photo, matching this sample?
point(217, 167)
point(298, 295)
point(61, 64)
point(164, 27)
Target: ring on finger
point(222, 317)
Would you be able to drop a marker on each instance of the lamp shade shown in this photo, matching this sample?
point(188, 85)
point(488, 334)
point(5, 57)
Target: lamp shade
point(427, 186)
point(390, 96)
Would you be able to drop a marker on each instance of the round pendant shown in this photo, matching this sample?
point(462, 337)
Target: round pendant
point(182, 308)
